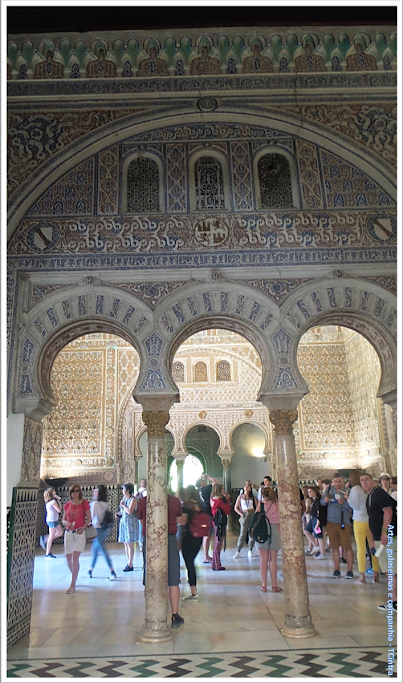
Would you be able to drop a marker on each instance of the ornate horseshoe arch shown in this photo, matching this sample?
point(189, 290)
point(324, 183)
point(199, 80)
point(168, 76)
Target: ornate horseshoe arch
point(357, 304)
point(264, 427)
point(59, 319)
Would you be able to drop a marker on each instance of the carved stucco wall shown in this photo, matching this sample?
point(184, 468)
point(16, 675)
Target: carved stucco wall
point(91, 377)
point(340, 420)
point(96, 425)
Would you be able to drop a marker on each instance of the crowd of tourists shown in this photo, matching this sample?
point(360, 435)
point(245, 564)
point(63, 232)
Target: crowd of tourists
point(198, 515)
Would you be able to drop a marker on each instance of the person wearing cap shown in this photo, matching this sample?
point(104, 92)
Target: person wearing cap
point(384, 480)
point(393, 488)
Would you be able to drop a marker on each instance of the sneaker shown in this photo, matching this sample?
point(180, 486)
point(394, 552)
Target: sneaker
point(89, 573)
point(177, 621)
point(319, 556)
point(128, 569)
point(384, 608)
point(308, 553)
point(369, 571)
point(336, 574)
point(112, 576)
point(328, 550)
point(250, 554)
point(349, 575)
point(50, 555)
point(42, 542)
point(191, 598)
point(343, 561)
point(237, 554)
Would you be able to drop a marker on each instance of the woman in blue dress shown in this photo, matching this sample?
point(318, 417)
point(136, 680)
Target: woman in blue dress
point(128, 526)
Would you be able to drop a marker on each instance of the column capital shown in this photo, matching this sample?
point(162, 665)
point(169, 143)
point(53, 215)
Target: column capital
point(390, 399)
point(156, 420)
point(283, 420)
point(280, 401)
point(179, 457)
point(226, 461)
point(155, 402)
point(35, 408)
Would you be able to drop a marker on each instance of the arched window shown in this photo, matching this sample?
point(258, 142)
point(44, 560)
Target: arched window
point(209, 184)
point(200, 372)
point(223, 371)
point(275, 182)
point(178, 371)
point(143, 192)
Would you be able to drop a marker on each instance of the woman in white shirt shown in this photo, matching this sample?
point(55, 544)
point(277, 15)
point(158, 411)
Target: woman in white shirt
point(99, 507)
point(357, 499)
point(245, 507)
point(53, 510)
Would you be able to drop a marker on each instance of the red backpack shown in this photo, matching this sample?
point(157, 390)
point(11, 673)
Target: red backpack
point(201, 524)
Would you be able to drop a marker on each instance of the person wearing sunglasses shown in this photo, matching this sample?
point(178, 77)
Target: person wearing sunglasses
point(76, 518)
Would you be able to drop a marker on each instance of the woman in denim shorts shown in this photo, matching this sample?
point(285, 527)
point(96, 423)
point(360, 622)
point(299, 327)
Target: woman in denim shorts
point(53, 509)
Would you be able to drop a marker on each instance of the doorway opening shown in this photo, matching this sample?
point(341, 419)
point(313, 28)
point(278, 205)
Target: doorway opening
point(192, 471)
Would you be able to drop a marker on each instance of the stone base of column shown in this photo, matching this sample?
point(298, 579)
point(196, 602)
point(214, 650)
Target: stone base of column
point(151, 636)
point(298, 627)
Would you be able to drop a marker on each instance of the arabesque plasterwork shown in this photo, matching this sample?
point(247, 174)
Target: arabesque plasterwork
point(339, 420)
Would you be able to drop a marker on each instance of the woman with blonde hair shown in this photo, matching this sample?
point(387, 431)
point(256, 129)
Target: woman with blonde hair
point(357, 499)
point(76, 518)
point(268, 549)
point(53, 509)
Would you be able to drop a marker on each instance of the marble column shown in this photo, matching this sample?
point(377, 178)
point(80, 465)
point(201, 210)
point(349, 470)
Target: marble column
point(226, 464)
point(180, 459)
point(136, 469)
point(298, 620)
point(156, 627)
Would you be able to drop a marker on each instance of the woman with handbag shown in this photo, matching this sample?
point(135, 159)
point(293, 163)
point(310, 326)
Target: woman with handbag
point(128, 525)
point(268, 549)
point(99, 507)
point(76, 518)
point(314, 529)
point(190, 544)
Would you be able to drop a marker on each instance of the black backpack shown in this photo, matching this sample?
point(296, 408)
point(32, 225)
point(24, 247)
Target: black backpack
point(107, 520)
point(220, 522)
point(260, 527)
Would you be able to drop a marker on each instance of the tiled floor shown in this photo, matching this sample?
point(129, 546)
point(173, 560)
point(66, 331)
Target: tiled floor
point(233, 631)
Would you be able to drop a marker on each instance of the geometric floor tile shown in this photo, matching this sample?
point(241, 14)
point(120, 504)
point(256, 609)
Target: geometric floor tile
point(329, 663)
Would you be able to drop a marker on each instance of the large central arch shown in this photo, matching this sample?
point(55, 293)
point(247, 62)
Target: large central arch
point(111, 134)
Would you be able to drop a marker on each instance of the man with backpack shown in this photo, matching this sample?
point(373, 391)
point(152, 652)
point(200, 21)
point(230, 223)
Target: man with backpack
point(381, 508)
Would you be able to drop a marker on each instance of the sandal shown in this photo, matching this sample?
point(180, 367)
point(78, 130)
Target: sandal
point(71, 590)
point(263, 589)
point(361, 579)
point(276, 589)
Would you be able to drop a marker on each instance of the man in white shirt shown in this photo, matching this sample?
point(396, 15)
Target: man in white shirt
point(266, 484)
